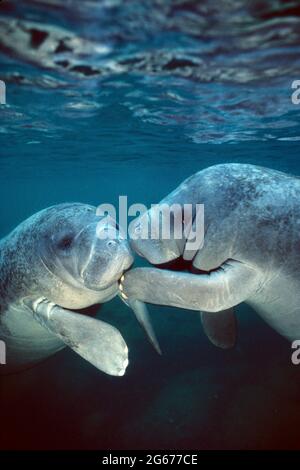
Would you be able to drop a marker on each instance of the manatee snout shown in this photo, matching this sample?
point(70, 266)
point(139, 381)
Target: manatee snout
point(103, 259)
point(156, 236)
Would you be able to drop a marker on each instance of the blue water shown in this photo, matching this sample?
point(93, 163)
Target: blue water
point(162, 90)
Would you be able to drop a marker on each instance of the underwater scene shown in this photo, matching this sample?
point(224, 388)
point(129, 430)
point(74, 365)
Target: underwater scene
point(109, 98)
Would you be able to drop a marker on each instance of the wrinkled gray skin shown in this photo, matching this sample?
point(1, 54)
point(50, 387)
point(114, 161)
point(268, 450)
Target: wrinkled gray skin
point(251, 250)
point(52, 262)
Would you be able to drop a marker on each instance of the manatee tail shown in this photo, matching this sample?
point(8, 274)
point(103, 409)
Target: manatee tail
point(141, 312)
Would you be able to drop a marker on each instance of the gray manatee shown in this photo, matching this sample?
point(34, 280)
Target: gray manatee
point(251, 251)
point(52, 263)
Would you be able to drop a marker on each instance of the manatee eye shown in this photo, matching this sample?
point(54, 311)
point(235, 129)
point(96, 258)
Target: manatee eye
point(111, 243)
point(65, 243)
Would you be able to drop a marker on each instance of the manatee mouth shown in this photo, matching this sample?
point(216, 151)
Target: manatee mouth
point(105, 286)
point(135, 249)
point(91, 311)
point(111, 277)
point(180, 264)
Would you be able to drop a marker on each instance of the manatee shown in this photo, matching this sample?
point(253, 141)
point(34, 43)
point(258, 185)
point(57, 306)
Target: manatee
point(251, 251)
point(53, 263)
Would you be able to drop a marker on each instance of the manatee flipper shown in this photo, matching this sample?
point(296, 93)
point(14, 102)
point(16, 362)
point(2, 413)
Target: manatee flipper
point(97, 342)
point(142, 315)
point(220, 327)
point(232, 283)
